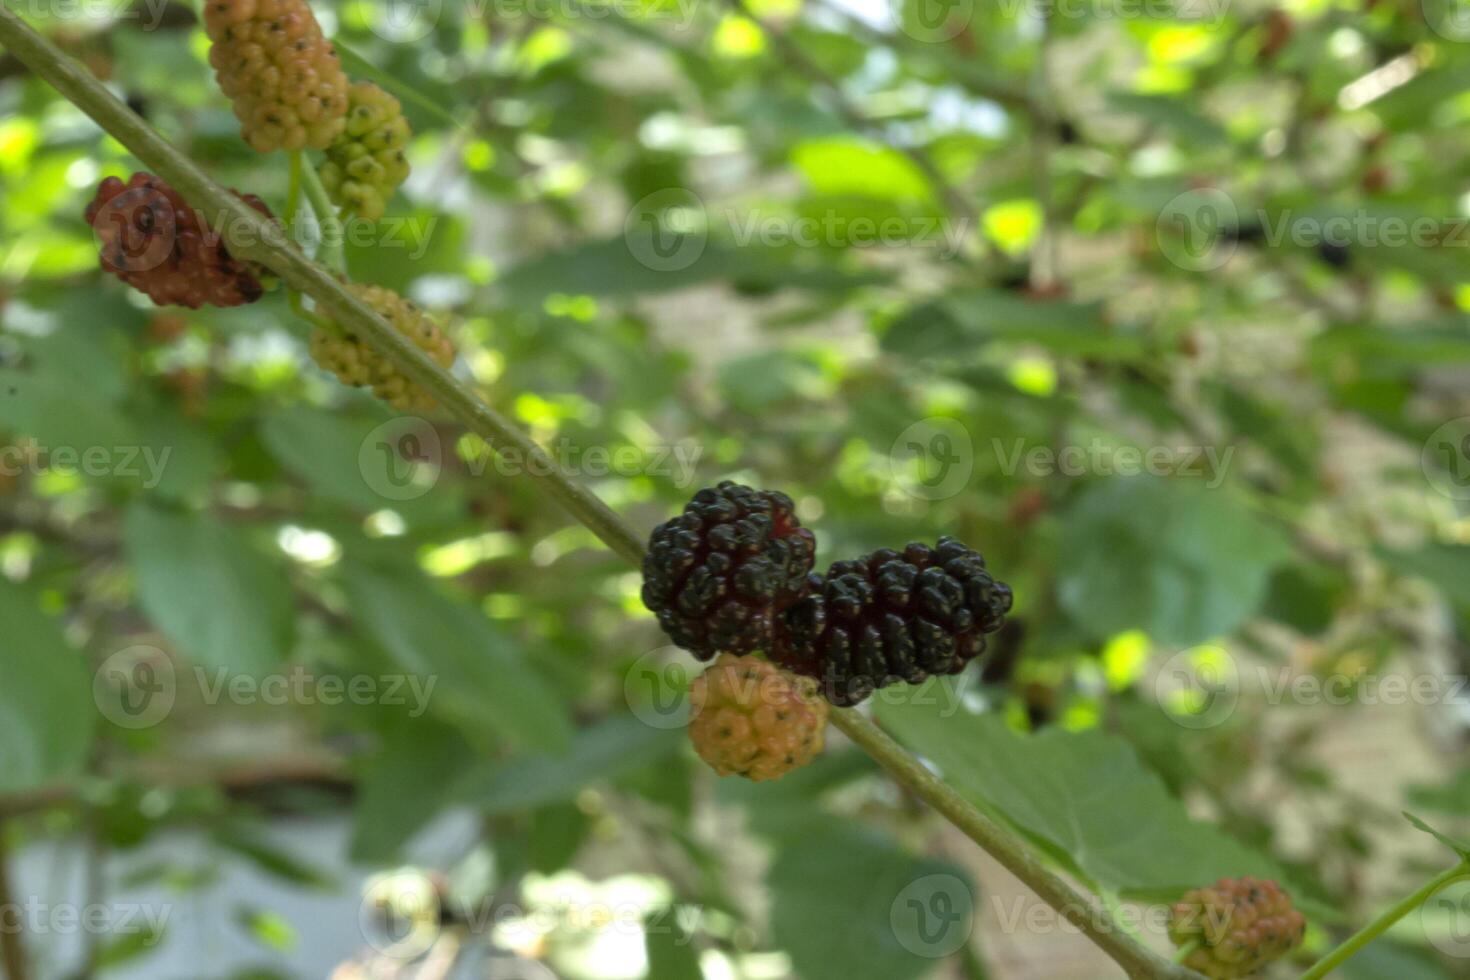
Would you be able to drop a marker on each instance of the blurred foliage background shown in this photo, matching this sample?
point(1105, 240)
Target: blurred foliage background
point(1161, 307)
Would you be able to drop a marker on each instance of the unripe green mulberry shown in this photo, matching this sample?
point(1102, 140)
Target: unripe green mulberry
point(1236, 927)
point(366, 163)
point(281, 73)
point(356, 363)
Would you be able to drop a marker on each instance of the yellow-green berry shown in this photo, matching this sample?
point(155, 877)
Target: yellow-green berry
point(367, 162)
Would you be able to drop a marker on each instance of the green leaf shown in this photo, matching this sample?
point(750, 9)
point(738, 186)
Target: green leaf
point(618, 745)
point(351, 459)
point(1169, 556)
point(669, 944)
point(405, 785)
point(849, 903)
point(221, 601)
point(47, 715)
point(954, 325)
point(481, 678)
point(846, 165)
point(1084, 796)
point(1459, 847)
point(1446, 566)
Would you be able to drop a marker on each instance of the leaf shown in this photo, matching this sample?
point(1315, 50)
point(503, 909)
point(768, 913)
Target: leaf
point(847, 165)
point(342, 458)
point(271, 859)
point(1084, 796)
point(1459, 847)
point(481, 678)
point(952, 326)
point(1445, 566)
point(405, 785)
point(669, 944)
point(1167, 556)
point(219, 599)
point(613, 747)
point(849, 903)
point(47, 715)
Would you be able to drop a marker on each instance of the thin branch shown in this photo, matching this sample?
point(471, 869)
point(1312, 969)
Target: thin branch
point(250, 236)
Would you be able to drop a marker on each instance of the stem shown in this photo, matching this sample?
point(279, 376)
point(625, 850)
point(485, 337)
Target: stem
point(12, 943)
point(1187, 950)
point(328, 219)
point(1085, 912)
point(1384, 922)
point(252, 237)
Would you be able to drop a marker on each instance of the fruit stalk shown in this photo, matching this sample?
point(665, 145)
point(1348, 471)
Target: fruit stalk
point(251, 237)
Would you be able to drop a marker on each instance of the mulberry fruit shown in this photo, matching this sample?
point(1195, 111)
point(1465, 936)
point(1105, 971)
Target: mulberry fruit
point(153, 241)
point(890, 617)
point(717, 575)
point(355, 363)
point(366, 163)
point(281, 74)
point(749, 718)
point(1236, 927)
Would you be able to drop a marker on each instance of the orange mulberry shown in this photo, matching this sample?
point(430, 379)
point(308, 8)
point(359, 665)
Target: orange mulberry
point(750, 718)
point(282, 75)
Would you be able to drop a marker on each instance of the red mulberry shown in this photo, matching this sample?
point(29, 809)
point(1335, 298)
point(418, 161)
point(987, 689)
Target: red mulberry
point(153, 241)
point(1236, 927)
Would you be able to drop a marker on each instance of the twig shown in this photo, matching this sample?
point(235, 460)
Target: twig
point(252, 237)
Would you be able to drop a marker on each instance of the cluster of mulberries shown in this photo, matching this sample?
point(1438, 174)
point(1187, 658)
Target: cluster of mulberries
point(719, 575)
point(1236, 927)
point(283, 76)
point(749, 718)
point(356, 363)
point(893, 617)
point(153, 241)
point(366, 163)
point(733, 573)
